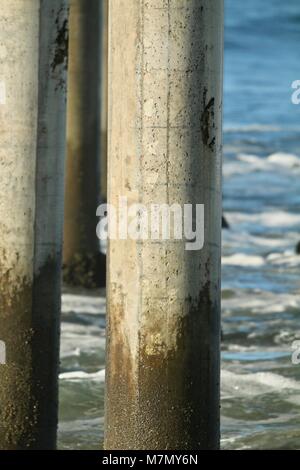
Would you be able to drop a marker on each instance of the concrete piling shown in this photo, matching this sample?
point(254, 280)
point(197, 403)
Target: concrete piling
point(164, 134)
point(83, 264)
point(33, 55)
point(104, 97)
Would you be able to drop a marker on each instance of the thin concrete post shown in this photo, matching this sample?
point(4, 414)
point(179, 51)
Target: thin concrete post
point(33, 56)
point(165, 103)
point(104, 98)
point(81, 246)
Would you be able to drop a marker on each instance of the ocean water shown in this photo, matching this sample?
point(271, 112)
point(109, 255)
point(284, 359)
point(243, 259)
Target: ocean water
point(261, 272)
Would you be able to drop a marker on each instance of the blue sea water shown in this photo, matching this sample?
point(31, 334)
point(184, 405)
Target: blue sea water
point(261, 272)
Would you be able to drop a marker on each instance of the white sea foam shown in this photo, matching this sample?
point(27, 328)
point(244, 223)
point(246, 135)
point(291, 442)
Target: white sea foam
point(284, 159)
point(288, 259)
point(261, 302)
point(80, 375)
point(259, 128)
point(89, 304)
point(255, 383)
point(272, 218)
point(241, 259)
point(274, 160)
point(249, 163)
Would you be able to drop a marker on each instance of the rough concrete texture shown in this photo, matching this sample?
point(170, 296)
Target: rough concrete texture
point(31, 192)
point(165, 103)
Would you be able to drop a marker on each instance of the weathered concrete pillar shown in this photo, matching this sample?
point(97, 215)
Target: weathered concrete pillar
point(104, 98)
point(81, 246)
point(165, 101)
point(33, 56)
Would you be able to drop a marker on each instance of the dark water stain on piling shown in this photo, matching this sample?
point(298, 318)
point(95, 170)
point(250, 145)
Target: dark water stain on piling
point(120, 397)
point(28, 380)
point(17, 413)
point(178, 396)
point(207, 122)
point(168, 399)
point(46, 309)
point(61, 47)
